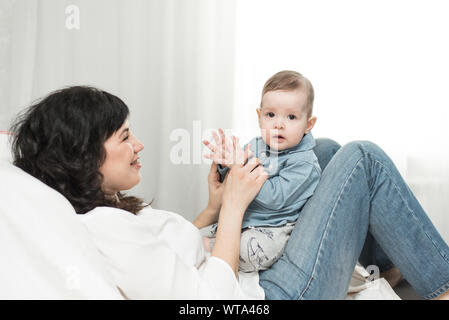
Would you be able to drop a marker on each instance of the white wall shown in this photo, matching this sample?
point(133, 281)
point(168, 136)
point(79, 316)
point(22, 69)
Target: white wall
point(379, 70)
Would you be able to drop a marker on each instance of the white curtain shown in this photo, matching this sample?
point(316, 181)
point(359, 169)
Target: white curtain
point(171, 61)
point(380, 72)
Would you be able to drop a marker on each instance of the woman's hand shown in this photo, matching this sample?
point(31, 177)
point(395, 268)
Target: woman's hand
point(216, 189)
point(235, 157)
point(242, 184)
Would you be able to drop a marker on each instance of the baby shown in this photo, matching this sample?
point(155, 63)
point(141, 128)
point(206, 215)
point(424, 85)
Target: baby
point(285, 149)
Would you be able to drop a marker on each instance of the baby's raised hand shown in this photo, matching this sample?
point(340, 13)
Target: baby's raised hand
point(226, 152)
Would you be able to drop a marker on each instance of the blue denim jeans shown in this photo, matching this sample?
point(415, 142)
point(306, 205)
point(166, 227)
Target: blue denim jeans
point(361, 209)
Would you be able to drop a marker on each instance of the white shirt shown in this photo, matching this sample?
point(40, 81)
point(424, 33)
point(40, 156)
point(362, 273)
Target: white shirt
point(158, 254)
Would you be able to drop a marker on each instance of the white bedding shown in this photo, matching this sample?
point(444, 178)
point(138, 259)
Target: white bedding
point(46, 252)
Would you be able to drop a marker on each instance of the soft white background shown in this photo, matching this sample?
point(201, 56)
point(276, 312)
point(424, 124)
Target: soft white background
point(171, 61)
point(379, 69)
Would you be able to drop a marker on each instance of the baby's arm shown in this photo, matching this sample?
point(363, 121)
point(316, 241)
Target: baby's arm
point(297, 180)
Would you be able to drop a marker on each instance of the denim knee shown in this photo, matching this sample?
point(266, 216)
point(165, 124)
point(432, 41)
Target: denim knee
point(367, 148)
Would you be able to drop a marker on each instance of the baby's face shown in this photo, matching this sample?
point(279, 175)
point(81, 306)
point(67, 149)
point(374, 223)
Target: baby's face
point(283, 118)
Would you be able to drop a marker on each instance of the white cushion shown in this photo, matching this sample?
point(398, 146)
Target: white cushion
point(5, 150)
point(46, 251)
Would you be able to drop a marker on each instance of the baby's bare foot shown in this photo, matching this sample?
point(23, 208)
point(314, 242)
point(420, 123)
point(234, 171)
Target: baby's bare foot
point(393, 276)
point(206, 242)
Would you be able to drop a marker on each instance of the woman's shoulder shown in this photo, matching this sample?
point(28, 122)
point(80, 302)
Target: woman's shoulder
point(119, 218)
point(99, 213)
point(160, 213)
point(108, 222)
point(121, 213)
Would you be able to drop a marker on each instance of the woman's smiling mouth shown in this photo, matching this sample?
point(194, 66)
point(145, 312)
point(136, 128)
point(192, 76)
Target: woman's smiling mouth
point(136, 163)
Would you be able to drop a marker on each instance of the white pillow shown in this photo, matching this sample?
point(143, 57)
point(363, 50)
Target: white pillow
point(46, 251)
point(5, 149)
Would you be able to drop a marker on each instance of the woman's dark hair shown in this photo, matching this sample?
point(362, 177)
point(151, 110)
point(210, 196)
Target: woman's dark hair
point(60, 140)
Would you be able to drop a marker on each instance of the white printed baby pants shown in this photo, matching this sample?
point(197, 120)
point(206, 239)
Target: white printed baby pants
point(260, 247)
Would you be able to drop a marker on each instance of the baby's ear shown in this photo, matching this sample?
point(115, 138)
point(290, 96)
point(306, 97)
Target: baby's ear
point(258, 110)
point(310, 124)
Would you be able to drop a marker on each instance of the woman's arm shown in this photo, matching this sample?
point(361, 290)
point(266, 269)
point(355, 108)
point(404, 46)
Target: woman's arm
point(227, 244)
point(243, 184)
point(233, 196)
point(207, 217)
point(210, 214)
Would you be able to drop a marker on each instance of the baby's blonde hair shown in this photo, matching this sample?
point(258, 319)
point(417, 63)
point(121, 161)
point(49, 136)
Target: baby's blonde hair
point(291, 80)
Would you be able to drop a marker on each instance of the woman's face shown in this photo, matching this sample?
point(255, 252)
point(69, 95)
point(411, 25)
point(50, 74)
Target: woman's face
point(120, 169)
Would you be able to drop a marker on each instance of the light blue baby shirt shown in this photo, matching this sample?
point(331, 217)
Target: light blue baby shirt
point(293, 173)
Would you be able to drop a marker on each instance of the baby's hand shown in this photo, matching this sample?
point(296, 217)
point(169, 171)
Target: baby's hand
point(226, 153)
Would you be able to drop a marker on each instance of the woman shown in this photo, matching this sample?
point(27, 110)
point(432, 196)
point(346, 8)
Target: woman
point(78, 141)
